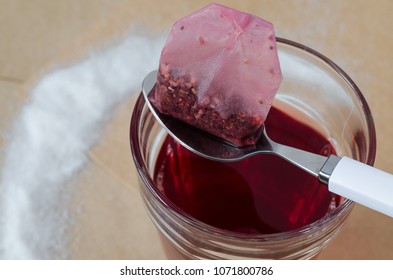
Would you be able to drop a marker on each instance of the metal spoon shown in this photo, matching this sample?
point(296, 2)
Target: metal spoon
point(344, 176)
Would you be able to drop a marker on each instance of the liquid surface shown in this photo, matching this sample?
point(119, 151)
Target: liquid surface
point(259, 195)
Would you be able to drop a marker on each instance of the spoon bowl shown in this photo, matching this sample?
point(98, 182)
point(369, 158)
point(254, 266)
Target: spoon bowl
point(214, 148)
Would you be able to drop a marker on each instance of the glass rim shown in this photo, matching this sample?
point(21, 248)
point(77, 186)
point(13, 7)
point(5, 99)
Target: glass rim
point(148, 181)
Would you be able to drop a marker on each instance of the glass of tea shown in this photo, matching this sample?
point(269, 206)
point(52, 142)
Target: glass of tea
point(261, 207)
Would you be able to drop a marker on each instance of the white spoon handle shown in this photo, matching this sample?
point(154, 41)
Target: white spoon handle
point(363, 184)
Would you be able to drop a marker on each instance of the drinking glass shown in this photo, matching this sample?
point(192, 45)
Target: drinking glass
point(316, 92)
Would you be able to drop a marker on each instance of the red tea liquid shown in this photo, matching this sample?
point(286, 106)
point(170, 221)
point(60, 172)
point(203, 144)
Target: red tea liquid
point(259, 195)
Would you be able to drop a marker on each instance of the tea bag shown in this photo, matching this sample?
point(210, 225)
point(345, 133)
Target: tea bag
point(219, 71)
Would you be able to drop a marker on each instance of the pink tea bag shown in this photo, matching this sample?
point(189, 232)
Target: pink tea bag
point(219, 71)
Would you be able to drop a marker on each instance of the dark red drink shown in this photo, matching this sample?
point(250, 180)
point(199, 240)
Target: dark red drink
point(262, 194)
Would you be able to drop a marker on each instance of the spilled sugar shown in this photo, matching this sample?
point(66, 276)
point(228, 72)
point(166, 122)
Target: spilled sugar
point(49, 140)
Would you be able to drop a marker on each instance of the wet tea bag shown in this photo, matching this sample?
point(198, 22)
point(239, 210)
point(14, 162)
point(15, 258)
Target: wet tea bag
point(219, 71)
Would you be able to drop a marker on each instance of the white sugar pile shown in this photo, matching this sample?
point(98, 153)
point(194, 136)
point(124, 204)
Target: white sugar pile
point(50, 138)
